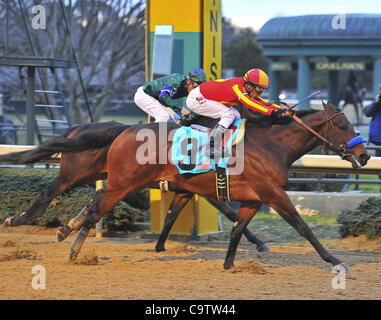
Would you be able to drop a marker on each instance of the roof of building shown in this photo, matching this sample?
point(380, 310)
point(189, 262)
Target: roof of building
point(353, 26)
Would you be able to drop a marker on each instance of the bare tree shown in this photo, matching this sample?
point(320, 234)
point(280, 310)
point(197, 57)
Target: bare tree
point(108, 37)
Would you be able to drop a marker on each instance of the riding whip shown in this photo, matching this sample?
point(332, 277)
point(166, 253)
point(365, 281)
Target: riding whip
point(305, 99)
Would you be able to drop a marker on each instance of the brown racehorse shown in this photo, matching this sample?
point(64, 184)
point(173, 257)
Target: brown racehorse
point(268, 154)
point(79, 169)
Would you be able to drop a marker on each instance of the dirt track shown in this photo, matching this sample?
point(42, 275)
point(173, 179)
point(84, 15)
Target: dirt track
point(131, 269)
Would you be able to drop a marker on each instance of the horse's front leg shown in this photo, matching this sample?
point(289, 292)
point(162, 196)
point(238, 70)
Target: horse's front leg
point(282, 204)
point(245, 213)
point(229, 213)
point(178, 203)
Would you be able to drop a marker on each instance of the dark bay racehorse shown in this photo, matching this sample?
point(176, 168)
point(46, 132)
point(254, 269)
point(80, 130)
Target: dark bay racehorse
point(354, 96)
point(268, 154)
point(79, 169)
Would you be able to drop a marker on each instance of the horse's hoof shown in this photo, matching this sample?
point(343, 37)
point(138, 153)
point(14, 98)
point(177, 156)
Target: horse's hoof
point(263, 248)
point(340, 267)
point(228, 265)
point(159, 249)
point(8, 222)
point(60, 235)
point(63, 232)
point(73, 255)
point(344, 267)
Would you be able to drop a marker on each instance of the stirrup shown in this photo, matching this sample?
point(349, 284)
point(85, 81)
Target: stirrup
point(215, 151)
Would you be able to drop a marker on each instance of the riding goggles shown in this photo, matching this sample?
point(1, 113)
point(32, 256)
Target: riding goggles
point(258, 90)
point(195, 83)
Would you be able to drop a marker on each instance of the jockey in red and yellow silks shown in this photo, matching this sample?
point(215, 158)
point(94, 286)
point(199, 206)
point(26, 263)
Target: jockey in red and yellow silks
point(231, 92)
point(214, 99)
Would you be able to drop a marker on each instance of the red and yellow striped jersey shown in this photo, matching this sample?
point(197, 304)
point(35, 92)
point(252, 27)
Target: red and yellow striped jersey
point(231, 92)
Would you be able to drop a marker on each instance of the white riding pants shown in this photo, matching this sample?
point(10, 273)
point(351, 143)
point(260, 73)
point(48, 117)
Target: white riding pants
point(210, 108)
point(152, 106)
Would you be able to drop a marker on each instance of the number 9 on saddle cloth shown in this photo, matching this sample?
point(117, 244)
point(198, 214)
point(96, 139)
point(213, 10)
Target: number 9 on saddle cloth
point(190, 153)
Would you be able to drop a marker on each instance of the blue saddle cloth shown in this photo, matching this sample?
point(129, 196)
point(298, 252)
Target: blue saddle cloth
point(190, 150)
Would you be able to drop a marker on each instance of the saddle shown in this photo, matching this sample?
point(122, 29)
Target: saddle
point(237, 138)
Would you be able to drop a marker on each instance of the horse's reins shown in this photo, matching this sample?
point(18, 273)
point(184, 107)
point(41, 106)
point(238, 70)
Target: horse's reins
point(340, 149)
point(300, 121)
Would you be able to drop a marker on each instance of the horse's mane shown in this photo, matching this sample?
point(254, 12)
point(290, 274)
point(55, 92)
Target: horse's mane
point(302, 113)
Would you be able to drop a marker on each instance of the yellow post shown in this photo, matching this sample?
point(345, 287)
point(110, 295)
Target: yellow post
point(185, 221)
point(99, 225)
point(198, 215)
point(198, 33)
point(212, 40)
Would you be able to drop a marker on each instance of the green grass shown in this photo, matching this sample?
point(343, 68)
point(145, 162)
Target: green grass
point(367, 188)
point(271, 228)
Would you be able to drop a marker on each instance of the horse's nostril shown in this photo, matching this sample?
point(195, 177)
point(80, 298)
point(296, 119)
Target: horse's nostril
point(364, 157)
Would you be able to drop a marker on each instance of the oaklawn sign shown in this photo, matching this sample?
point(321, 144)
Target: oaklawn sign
point(340, 66)
point(319, 66)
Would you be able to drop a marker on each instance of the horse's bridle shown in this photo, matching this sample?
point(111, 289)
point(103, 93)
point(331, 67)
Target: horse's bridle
point(340, 149)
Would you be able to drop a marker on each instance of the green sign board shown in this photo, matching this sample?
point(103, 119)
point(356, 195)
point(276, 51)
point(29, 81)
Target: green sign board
point(280, 66)
point(341, 66)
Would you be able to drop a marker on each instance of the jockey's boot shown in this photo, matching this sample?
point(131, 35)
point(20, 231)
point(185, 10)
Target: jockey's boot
point(216, 142)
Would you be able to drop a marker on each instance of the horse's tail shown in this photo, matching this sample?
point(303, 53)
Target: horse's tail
point(95, 138)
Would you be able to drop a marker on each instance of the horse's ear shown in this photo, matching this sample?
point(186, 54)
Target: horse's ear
point(329, 107)
point(325, 106)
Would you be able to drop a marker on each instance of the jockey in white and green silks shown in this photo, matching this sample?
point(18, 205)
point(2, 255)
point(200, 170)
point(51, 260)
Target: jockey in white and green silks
point(157, 97)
